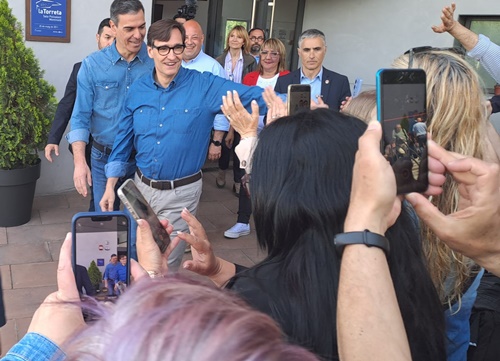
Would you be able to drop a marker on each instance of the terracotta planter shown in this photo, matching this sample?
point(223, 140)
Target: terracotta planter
point(17, 190)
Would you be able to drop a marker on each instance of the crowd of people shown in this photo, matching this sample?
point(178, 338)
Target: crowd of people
point(352, 271)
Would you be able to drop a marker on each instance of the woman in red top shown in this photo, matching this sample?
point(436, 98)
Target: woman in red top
point(271, 66)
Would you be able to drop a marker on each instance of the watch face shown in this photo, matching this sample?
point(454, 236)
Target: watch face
point(216, 143)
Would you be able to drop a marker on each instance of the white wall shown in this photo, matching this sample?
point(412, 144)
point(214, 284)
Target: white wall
point(366, 35)
point(57, 60)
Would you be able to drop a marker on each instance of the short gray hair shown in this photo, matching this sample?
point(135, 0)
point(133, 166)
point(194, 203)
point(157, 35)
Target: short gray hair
point(122, 7)
point(312, 33)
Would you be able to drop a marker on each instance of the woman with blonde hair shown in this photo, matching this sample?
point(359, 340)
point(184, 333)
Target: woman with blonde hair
point(237, 62)
point(456, 120)
point(363, 107)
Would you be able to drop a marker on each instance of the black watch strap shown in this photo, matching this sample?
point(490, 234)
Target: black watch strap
point(215, 142)
point(366, 237)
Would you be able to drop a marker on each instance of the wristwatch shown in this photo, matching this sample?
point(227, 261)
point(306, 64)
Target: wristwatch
point(366, 237)
point(215, 142)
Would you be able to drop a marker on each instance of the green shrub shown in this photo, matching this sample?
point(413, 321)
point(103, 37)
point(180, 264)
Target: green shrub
point(27, 102)
point(94, 274)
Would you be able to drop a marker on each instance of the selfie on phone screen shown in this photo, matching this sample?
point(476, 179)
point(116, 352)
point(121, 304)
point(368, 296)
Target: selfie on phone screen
point(401, 98)
point(100, 254)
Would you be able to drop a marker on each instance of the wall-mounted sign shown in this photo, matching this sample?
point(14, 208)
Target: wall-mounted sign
point(48, 20)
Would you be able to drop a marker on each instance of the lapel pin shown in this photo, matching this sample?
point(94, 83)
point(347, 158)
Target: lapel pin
point(327, 81)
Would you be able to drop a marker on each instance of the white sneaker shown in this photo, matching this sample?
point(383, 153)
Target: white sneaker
point(238, 230)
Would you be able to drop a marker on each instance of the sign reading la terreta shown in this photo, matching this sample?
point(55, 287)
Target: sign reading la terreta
point(48, 20)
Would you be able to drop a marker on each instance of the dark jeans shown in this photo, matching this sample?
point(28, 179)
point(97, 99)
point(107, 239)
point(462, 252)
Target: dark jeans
point(244, 207)
point(226, 156)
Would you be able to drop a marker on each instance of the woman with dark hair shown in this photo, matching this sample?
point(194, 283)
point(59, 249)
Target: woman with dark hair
point(271, 66)
point(300, 191)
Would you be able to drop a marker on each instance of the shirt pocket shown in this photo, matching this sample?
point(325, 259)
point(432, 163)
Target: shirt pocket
point(184, 119)
point(146, 120)
point(106, 95)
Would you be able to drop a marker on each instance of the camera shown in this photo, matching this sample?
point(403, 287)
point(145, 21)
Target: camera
point(187, 12)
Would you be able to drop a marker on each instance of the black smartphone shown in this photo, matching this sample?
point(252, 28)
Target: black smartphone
point(401, 107)
point(137, 205)
point(100, 252)
point(299, 98)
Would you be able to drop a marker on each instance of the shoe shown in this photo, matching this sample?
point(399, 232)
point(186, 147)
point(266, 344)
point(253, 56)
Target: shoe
point(238, 230)
point(220, 180)
point(236, 189)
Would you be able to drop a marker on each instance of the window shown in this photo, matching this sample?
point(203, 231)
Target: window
point(489, 26)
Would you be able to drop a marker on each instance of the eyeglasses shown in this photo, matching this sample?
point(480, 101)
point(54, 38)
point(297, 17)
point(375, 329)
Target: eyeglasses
point(274, 54)
point(426, 49)
point(259, 38)
point(164, 50)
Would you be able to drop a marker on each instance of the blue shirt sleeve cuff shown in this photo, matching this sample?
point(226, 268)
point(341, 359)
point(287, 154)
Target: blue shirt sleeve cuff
point(36, 347)
point(116, 169)
point(481, 47)
point(78, 135)
point(221, 123)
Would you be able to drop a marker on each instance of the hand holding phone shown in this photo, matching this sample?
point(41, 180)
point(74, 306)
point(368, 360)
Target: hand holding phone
point(401, 106)
point(137, 205)
point(101, 248)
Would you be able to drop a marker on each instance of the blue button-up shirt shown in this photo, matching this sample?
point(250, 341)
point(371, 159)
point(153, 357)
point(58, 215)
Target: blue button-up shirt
point(103, 82)
point(203, 63)
point(34, 347)
point(170, 127)
point(315, 83)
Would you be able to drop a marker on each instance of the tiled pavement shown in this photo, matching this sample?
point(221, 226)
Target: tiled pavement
point(29, 253)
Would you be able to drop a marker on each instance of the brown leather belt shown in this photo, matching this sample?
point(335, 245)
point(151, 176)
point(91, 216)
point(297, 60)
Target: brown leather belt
point(167, 185)
point(101, 148)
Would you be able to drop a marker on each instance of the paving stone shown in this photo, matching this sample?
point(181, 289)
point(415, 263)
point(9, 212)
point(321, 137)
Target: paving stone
point(22, 325)
point(213, 209)
point(34, 275)
point(57, 215)
point(22, 302)
point(54, 249)
point(255, 254)
point(51, 201)
point(24, 253)
point(3, 235)
point(38, 233)
point(9, 336)
point(6, 277)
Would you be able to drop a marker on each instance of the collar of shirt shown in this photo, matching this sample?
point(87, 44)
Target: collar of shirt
point(305, 80)
point(194, 60)
point(181, 74)
point(142, 55)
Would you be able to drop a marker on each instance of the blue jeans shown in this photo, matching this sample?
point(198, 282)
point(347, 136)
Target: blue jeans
point(99, 160)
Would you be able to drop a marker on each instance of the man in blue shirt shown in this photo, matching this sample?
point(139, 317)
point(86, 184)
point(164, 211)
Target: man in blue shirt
point(194, 58)
point(103, 82)
point(167, 117)
point(110, 276)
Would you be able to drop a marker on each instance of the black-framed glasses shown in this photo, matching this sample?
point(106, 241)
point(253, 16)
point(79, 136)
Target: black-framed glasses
point(274, 54)
point(259, 38)
point(426, 49)
point(164, 50)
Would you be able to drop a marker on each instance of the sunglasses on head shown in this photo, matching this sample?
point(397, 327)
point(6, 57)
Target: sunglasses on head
point(427, 49)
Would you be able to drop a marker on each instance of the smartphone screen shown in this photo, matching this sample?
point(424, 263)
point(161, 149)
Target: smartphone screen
point(101, 254)
point(401, 105)
point(137, 205)
point(299, 98)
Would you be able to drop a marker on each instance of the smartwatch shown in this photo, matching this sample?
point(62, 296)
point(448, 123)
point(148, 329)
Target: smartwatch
point(215, 142)
point(366, 237)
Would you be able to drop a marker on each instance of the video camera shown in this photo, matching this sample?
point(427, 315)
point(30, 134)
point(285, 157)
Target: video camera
point(187, 11)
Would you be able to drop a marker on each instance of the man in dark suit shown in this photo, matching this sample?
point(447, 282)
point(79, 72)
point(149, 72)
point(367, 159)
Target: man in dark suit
point(328, 89)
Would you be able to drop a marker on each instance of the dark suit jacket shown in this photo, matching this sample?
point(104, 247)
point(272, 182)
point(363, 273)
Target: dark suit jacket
point(334, 86)
point(64, 108)
point(249, 63)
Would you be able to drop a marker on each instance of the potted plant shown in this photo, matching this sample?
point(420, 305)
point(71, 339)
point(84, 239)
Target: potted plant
point(95, 276)
point(27, 106)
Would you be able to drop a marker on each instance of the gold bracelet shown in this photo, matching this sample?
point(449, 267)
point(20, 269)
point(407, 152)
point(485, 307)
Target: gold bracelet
point(154, 274)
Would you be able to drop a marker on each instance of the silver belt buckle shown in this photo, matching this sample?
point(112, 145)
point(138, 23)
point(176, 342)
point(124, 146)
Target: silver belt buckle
point(172, 186)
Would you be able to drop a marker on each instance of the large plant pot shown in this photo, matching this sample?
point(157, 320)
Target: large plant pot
point(17, 190)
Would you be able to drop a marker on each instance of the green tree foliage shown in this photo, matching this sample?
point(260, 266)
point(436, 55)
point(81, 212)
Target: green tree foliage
point(27, 102)
point(94, 274)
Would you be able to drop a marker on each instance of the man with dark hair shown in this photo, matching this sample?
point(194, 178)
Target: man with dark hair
point(257, 38)
point(328, 89)
point(168, 117)
point(110, 275)
point(103, 82)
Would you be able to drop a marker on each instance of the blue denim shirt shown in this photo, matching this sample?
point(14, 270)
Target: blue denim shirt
point(103, 82)
point(170, 127)
point(34, 347)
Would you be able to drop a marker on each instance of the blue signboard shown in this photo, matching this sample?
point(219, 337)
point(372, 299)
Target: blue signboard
point(49, 19)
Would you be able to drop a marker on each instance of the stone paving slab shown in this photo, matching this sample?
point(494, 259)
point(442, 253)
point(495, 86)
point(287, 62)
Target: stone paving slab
point(34, 275)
